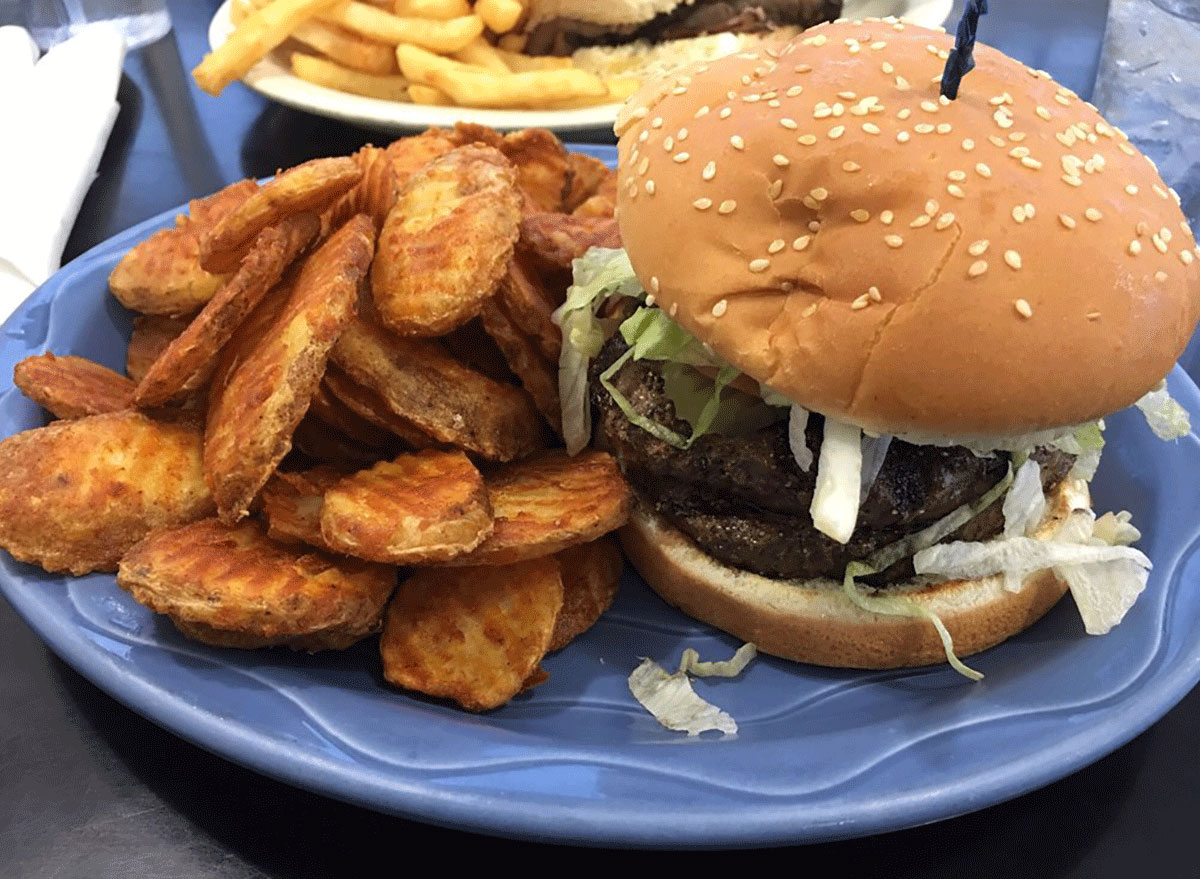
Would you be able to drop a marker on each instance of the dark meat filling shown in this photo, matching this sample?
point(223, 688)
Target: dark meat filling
point(744, 500)
point(562, 36)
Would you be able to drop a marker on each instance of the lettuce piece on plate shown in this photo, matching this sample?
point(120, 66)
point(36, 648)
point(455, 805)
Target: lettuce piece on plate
point(673, 702)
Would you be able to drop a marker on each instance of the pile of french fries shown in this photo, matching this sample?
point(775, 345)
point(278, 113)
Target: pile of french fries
point(339, 379)
point(433, 52)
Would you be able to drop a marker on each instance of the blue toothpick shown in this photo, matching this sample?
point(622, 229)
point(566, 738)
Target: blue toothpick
point(962, 56)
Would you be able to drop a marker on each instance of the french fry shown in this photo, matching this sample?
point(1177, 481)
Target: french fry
point(446, 242)
point(189, 359)
point(311, 186)
point(72, 387)
point(424, 507)
point(438, 9)
point(417, 64)
point(591, 575)
point(428, 96)
point(537, 88)
point(325, 73)
point(232, 586)
point(420, 381)
point(445, 36)
point(256, 35)
point(619, 89)
point(500, 16)
point(481, 53)
point(473, 635)
point(347, 49)
point(548, 502)
point(518, 62)
point(512, 42)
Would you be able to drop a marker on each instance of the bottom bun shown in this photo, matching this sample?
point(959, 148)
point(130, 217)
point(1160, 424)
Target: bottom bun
point(814, 621)
point(644, 60)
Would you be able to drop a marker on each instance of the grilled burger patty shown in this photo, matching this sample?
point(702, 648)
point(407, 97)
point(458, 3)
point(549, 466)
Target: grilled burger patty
point(562, 36)
point(745, 501)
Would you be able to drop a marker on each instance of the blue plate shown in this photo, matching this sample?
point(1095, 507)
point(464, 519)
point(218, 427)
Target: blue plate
point(821, 754)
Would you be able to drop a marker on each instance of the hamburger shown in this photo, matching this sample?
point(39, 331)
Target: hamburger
point(856, 353)
point(639, 37)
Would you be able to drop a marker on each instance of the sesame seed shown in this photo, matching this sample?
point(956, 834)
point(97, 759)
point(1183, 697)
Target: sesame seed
point(978, 248)
point(1023, 308)
point(1013, 259)
point(903, 136)
point(878, 44)
point(870, 128)
point(802, 68)
point(944, 128)
point(887, 68)
point(902, 83)
point(1031, 162)
point(668, 143)
point(919, 221)
point(781, 160)
point(777, 245)
point(1159, 191)
point(775, 189)
point(703, 111)
point(1030, 212)
point(851, 167)
point(1094, 215)
point(674, 308)
point(657, 122)
point(1185, 257)
point(1165, 234)
point(1002, 119)
point(725, 112)
point(640, 113)
point(955, 190)
point(1073, 181)
point(874, 295)
point(650, 187)
point(727, 207)
point(1062, 99)
point(737, 143)
point(682, 134)
point(886, 217)
point(814, 225)
point(789, 124)
point(957, 176)
point(997, 141)
point(809, 311)
point(1160, 276)
point(1159, 244)
point(1019, 152)
point(710, 171)
point(1042, 112)
point(702, 204)
point(837, 131)
point(1131, 189)
point(944, 222)
point(923, 128)
point(801, 242)
point(650, 300)
point(654, 284)
point(807, 139)
point(1135, 247)
point(794, 90)
point(968, 144)
point(847, 96)
point(904, 114)
point(679, 90)
point(860, 215)
point(643, 165)
point(1066, 139)
point(929, 106)
point(860, 303)
point(1018, 213)
point(1142, 227)
point(893, 241)
point(680, 158)
point(720, 308)
point(983, 170)
point(759, 265)
point(977, 268)
point(820, 193)
point(931, 207)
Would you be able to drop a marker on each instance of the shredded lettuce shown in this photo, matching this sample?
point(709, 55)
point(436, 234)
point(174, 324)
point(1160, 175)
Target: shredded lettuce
point(898, 605)
point(1025, 503)
point(1166, 417)
point(874, 450)
point(599, 275)
point(673, 702)
point(797, 425)
point(1116, 529)
point(834, 506)
point(738, 413)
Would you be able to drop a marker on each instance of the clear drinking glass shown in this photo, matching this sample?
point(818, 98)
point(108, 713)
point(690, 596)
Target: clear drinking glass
point(53, 21)
point(1182, 8)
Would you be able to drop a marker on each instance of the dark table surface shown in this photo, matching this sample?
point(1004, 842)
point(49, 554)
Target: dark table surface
point(90, 789)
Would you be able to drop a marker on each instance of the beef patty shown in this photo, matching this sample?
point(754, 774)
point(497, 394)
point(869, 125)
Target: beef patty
point(745, 501)
point(562, 36)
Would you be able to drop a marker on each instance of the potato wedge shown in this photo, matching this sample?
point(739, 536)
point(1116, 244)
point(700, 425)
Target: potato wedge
point(292, 504)
point(72, 387)
point(531, 306)
point(232, 586)
point(418, 380)
point(163, 275)
point(150, 337)
point(548, 502)
point(587, 176)
point(75, 495)
point(311, 186)
point(188, 360)
point(369, 406)
point(558, 239)
point(472, 635)
point(424, 507)
point(322, 444)
point(538, 375)
point(542, 169)
point(446, 242)
point(591, 575)
point(251, 420)
point(329, 409)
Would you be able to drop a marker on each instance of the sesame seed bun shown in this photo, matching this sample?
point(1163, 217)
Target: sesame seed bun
point(998, 264)
point(813, 620)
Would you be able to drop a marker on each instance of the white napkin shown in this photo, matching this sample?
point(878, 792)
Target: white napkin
point(56, 113)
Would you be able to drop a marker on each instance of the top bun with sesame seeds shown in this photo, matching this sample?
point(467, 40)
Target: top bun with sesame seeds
point(1003, 263)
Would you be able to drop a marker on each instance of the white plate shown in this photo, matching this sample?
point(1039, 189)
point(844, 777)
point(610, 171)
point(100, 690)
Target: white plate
point(272, 78)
